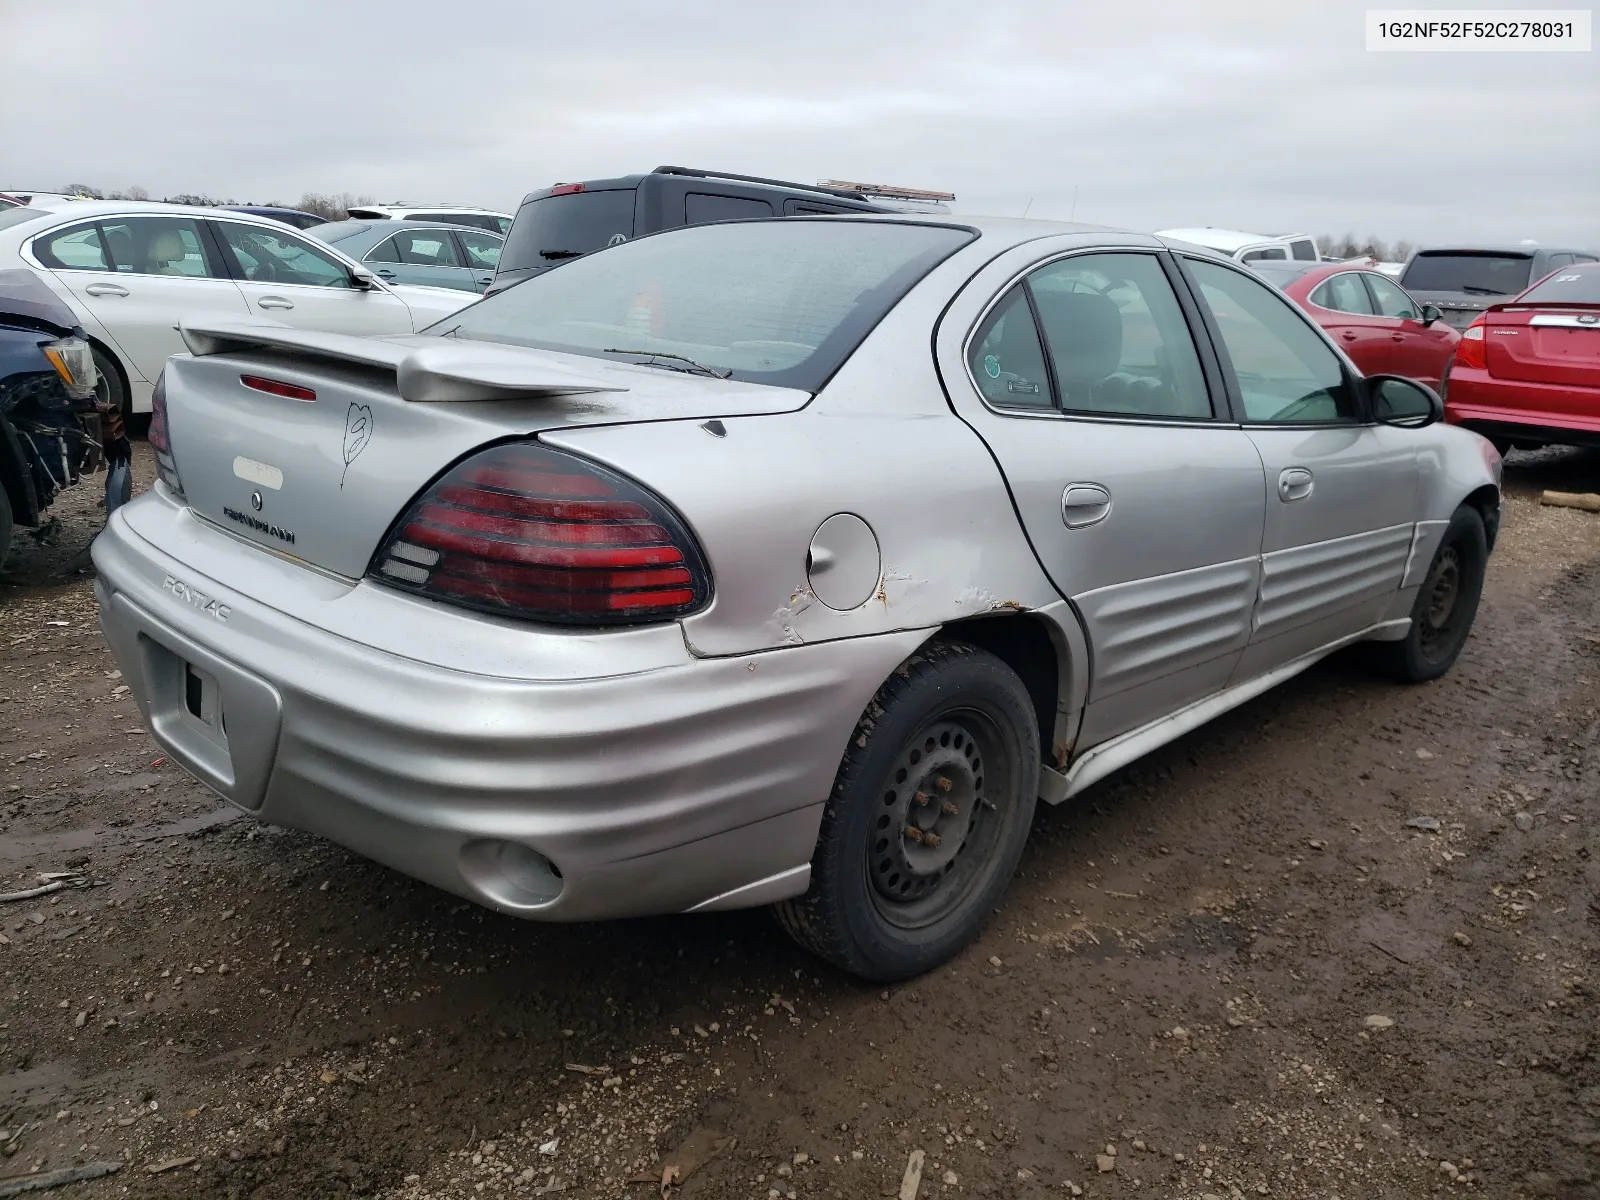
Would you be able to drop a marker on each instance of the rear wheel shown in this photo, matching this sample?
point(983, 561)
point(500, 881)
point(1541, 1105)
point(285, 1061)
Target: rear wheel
point(1447, 602)
point(927, 819)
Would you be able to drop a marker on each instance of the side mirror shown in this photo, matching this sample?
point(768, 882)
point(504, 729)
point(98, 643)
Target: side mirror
point(1430, 314)
point(363, 279)
point(1397, 400)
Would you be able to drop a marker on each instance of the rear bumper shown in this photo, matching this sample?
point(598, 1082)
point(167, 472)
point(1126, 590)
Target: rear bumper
point(1540, 413)
point(688, 784)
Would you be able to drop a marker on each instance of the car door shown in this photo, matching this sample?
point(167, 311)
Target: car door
point(481, 254)
point(1419, 351)
point(288, 278)
point(1143, 504)
point(139, 276)
point(1341, 490)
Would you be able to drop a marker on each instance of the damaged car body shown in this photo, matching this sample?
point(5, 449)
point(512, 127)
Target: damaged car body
point(53, 428)
point(784, 562)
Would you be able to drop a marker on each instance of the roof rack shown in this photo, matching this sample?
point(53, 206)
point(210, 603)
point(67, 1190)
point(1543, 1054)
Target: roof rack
point(844, 192)
point(886, 191)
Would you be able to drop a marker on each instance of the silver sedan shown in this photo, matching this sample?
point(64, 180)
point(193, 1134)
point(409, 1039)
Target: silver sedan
point(785, 562)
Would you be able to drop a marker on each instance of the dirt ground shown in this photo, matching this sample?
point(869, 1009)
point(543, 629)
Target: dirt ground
point(1232, 970)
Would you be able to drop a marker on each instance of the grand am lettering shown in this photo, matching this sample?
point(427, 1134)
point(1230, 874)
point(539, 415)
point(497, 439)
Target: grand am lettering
point(260, 526)
point(196, 598)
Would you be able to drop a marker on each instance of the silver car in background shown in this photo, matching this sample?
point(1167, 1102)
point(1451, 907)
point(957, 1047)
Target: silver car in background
point(451, 256)
point(772, 562)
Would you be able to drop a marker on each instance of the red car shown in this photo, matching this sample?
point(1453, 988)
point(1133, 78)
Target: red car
point(1375, 320)
point(1528, 370)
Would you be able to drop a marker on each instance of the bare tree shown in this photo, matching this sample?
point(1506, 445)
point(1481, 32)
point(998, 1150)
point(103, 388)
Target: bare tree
point(83, 189)
point(135, 192)
point(1401, 251)
point(332, 206)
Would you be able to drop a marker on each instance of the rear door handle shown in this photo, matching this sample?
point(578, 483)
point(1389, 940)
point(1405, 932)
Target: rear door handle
point(385, 273)
point(106, 289)
point(1397, 337)
point(1084, 504)
point(274, 302)
point(1349, 335)
point(1294, 483)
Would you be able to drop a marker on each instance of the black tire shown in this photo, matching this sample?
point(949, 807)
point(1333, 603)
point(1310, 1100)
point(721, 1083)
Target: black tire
point(110, 388)
point(1445, 606)
point(1502, 445)
point(949, 747)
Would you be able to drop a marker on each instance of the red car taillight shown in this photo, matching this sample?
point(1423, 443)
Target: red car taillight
point(160, 438)
point(526, 531)
point(1471, 352)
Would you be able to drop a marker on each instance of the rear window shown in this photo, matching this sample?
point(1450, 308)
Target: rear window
point(1463, 271)
point(1571, 285)
point(1304, 250)
point(21, 216)
point(774, 302)
point(553, 229)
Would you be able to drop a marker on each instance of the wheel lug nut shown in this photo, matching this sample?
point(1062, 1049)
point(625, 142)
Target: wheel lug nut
point(949, 809)
point(932, 839)
point(914, 833)
point(921, 797)
point(944, 785)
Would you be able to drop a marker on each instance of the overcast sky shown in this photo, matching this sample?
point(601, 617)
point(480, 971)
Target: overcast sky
point(1242, 113)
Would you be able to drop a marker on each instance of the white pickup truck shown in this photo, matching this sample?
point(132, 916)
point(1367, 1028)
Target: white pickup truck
point(1248, 247)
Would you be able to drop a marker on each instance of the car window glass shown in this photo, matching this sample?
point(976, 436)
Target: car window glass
point(1274, 252)
point(77, 249)
point(1485, 274)
point(483, 249)
point(1006, 358)
point(1343, 293)
point(1392, 299)
point(1558, 260)
point(1285, 371)
point(1117, 338)
point(157, 246)
point(553, 229)
point(699, 207)
point(1304, 249)
point(385, 251)
point(426, 248)
point(1579, 285)
point(268, 256)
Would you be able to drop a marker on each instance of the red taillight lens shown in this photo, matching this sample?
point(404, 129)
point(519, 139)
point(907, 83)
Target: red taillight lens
point(526, 531)
point(1471, 352)
point(566, 189)
point(276, 387)
point(160, 438)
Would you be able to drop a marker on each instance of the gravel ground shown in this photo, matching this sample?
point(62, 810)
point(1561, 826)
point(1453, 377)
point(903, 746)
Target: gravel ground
point(1231, 970)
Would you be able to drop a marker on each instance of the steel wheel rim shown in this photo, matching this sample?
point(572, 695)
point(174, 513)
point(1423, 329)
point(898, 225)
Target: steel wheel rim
point(1443, 594)
point(925, 856)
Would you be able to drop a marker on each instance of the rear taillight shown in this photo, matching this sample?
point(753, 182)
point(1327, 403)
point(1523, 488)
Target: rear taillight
point(566, 189)
point(160, 438)
point(525, 531)
point(1471, 353)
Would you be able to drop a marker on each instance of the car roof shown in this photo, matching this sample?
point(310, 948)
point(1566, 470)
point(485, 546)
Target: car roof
point(1227, 240)
point(356, 228)
point(79, 209)
point(394, 208)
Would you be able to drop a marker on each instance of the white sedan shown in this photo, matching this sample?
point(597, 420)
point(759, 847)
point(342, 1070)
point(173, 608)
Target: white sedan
point(131, 270)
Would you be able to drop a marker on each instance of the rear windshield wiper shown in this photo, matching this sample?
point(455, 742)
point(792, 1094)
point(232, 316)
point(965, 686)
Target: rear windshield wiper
point(1474, 290)
point(653, 354)
point(561, 254)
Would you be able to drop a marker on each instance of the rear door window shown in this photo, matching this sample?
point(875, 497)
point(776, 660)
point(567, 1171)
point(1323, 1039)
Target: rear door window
point(1343, 293)
point(79, 248)
point(1118, 342)
point(1466, 271)
point(158, 246)
point(1304, 249)
point(700, 208)
point(802, 208)
point(425, 248)
point(552, 229)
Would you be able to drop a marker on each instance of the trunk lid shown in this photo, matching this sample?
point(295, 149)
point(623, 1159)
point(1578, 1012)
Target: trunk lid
point(320, 479)
point(1544, 346)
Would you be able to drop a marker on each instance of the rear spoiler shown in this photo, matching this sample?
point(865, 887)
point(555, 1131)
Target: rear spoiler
point(1505, 304)
point(439, 371)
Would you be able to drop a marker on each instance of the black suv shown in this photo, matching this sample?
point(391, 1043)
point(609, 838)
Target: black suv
point(570, 220)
